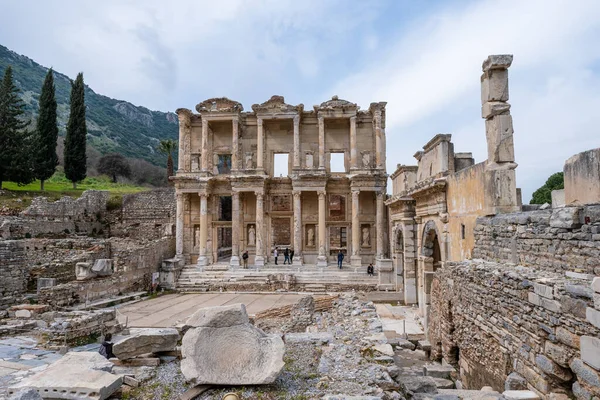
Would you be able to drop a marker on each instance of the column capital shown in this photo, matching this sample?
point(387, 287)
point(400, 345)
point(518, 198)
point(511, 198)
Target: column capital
point(377, 114)
point(297, 193)
point(259, 194)
point(235, 195)
point(355, 192)
point(379, 195)
point(321, 119)
point(259, 121)
point(353, 119)
point(321, 193)
point(297, 119)
point(180, 195)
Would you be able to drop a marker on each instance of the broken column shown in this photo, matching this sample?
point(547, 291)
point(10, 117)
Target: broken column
point(222, 347)
point(500, 181)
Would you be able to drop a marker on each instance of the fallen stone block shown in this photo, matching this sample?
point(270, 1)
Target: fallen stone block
point(418, 384)
point(129, 381)
point(514, 381)
point(442, 383)
point(438, 371)
point(520, 395)
point(76, 375)
point(102, 267)
point(424, 345)
point(314, 337)
point(385, 349)
point(221, 347)
point(146, 340)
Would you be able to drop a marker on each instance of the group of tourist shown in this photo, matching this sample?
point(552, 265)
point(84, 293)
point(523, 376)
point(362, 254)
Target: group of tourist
point(288, 256)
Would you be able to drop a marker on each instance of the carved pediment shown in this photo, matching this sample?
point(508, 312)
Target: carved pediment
point(219, 105)
point(337, 104)
point(276, 104)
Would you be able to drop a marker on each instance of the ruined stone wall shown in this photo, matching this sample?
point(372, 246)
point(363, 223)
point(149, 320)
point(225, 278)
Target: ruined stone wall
point(539, 327)
point(146, 215)
point(133, 263)
point(465, 198)
point(13, 272)
point(83, 208)
point(562, 239)
point(582, 178)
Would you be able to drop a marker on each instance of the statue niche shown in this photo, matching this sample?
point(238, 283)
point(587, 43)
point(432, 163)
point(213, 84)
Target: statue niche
point(366, 159)
point(366, 236)
point(249, 160)
point(310, 236)
point(251, 235)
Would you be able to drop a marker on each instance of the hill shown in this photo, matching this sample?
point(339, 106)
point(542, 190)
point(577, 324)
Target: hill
point(113, 125)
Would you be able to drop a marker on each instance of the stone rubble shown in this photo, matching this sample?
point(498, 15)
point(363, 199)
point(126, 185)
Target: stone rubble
point(146, 340)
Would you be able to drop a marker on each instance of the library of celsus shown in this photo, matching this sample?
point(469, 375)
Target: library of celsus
point(327, 197)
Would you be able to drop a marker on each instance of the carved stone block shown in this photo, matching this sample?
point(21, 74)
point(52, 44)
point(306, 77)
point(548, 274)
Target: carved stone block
point(499, 133)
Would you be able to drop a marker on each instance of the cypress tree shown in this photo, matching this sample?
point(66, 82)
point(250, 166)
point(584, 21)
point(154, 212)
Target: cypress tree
point(46, 158)
point(75, 158)
point(15, 159)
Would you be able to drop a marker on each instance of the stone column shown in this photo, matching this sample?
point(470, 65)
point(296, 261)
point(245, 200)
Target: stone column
point(353, 150)
point(259, 144)
point(321, 143)
point(322, 258)
point(378, 149)
point(179, 226)
point(380, 226)
point(184, 140)
point(234, 144)
point(259, 259)
point(410, 267)
point(355, 259)
point(202, 258)
point(235, 230)
point(204, 151)
point(297, 228)
point(297, 141)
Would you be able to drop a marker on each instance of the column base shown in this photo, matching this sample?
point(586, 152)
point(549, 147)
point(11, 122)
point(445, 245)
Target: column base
point(356, 261)
point(297, 260)
point(259, 261)
point(322, 261)
point(202, 261)
point(234, 261)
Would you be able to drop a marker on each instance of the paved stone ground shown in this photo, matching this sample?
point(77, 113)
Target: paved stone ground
point(172, 309)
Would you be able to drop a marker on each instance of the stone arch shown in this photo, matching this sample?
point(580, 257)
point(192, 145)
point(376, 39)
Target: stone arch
point(430, 244)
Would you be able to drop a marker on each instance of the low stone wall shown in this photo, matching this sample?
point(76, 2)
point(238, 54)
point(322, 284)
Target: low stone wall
point(146, 215)
point(133, 267)
point(582, 178)
point(84, 208)
point(77, 327)
point(13, 272)
point(561, 239)
point(493, 319)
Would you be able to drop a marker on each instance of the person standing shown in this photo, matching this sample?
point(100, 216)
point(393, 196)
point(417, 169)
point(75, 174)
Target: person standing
point(245, 258)
point(340, 258)
point(275, 255)
point(370, 270)
point(291, 255)
point(286, 256)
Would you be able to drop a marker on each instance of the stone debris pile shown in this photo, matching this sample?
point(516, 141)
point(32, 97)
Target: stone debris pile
point(222, 347)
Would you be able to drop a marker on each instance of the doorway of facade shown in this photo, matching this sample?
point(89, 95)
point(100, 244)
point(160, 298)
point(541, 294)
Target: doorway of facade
point(338, 240)
point(223, 243)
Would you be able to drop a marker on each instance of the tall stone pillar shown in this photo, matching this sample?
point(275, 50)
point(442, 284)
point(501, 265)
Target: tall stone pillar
point(355, 259)
point(260, 147)
point(353, 155)
point(185, 128)
point(204, 151)
point(297, 228)
point(297, 141)
point(259, 259)
point(202, 257)
point(410, 265)
point(380, 226)
point(235, 230)
point(235, 148)
point(321, 143)
point(179, 226)
point(322, 258)
point(378, 149)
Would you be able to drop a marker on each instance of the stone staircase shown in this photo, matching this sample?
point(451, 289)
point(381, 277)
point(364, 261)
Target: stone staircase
point(306, 278)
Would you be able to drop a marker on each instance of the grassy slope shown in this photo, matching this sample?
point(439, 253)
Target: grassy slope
point(17, 198)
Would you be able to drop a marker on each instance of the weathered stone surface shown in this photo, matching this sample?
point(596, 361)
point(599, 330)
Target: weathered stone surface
point(26, 394)
point(590, 351)
point(514, 381)
point(76, 375)
point(438, 371)
point(497, 61)
point(580, 392)
point(219, 317)
point(384, 348)
point(499, 134)
point(146, 340)
point(550, 367)
point(314, 337)
point(596, 284)
point(418, 384)
point(567, 337)
point(580, 291)
point(492, 108)
point(585, 373)
point(557, 352)
point(102, 267)
point(593, 317)
point(223, 348)
point(565, 217)
point(520, 395)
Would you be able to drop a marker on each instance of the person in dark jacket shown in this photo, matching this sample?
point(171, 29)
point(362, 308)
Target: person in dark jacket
point(340, 258)
point(106, 348)
point(245, 258)
point(286, 256)
point(292, 254)
point(370, 270)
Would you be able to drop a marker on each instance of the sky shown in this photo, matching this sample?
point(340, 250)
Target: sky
point(422, 57)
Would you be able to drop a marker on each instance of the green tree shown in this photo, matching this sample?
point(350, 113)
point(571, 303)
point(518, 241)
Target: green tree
point(543, 195)
point(114, 165)
point(15, 161)
point(75, 158)
point(46, 158)
point(168, 146)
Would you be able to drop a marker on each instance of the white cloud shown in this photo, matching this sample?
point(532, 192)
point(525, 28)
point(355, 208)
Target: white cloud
point(430, 78)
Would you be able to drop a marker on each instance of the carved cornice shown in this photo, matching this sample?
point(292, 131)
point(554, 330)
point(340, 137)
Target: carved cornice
point(219, 105)
point(184, 114)
point(276, 105)
point(336, 104)
point(404, 168)
point(428, 187)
